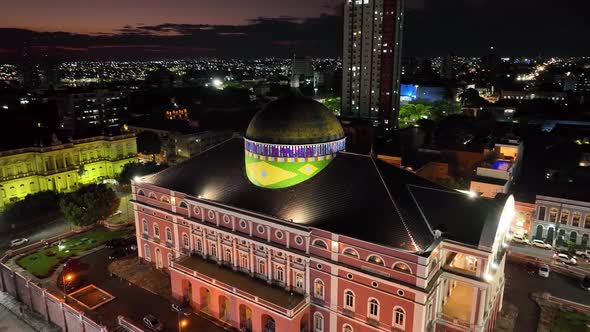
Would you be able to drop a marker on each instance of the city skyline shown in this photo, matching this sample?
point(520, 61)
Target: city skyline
point(199, 29)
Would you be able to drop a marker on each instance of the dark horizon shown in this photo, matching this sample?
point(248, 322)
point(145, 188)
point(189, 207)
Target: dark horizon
point(228, 29)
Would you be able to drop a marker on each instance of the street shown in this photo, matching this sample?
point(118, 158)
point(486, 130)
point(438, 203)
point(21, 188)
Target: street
point(36, 233)
point(520, 285)
point(132, 301)
point(546, 256)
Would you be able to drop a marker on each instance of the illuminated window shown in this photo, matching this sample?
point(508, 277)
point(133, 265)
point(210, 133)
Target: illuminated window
point(402, 267)
point(553, 214)
point(375, 260)
point(319, 289)
point(587, 221)
point(350, 252)
point(244, 262)
point(280, 274)
point(576, 217)
point(261, 267)
point(213, 250)
point(565, 214)
point(228, 255)
point(165, 199)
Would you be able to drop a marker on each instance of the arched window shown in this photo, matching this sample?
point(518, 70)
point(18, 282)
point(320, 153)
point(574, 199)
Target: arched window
point(261, 267)
point(402, 267)
point(165, 199)
point(318, 290)
point(280, 274)
point(185, 241)
point(145, 226)
point(299, 281)
point(169, 259)
point(146, 252)
point(152, 195)
point(373, 309)
point(576, 217)
point(573, 236)
point(213, 250)
point(349, 300)
point(347, 328)
point(244, 262)
point(587, 221)
point(183, 205)
point(156, 230)
point(199, 245)
point(565, 214)
point(320, 244)
point(375, 260)
point(168, 234)
point(228, 255)
point(318, 322)
point(350, 252)
point(553, 214)
point(399, 317)
point(140, 192)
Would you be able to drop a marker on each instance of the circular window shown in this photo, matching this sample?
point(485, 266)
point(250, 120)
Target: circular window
point(199, 228)
point(349, 276)
point(279, 234)
point(299, 260)
point(400, 292)
point(226, 219)
point(260, 229)
point(211, 215)
point(279, 254)
point(298, 240)
point(197, 211)
point(242, 223)
point(319, 266)
point(374, 284)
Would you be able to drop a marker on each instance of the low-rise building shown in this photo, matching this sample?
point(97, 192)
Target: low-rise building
point(495, 175)
point(63, 166)
point(558, 220)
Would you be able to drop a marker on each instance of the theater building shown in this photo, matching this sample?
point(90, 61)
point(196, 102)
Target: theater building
point(284, 231)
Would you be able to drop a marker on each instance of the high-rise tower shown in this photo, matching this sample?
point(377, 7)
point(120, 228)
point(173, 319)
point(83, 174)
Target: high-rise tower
point(371, 63)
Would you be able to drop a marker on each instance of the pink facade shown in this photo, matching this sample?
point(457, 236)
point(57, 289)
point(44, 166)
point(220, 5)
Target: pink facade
point(263, 274)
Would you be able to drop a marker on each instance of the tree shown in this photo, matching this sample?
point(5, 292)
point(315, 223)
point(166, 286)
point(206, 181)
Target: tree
point(89, 204)
point(43, 203)
point(410, 113)
point(132, 170)
point(149, 142)
point(333, 104)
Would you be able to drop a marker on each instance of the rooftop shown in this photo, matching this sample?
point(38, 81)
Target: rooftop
point(355, 196)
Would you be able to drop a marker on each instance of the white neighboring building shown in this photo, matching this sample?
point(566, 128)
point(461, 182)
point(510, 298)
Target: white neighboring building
point(559, 220)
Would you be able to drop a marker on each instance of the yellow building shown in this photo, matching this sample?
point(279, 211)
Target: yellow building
point(63, 167)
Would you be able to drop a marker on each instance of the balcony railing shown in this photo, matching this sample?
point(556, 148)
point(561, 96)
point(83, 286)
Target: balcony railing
point(449, 320)
point(234, 290)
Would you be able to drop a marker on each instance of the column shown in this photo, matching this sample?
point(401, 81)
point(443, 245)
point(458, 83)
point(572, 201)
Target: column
point(252, 263)
point(307, 280)
point(288, 272)
point(219, 251)
point(268, 265)
point(235, 253)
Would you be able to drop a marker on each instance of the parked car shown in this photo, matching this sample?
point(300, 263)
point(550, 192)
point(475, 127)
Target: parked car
point(114, 243)
point(152, 323)
point(519, 239)
point(544, 270)
point(18, 242)
point(180, 308)
point(566, 259)
point(119, 253)
point(585, 283)
point(583, 253)
point(541, 244)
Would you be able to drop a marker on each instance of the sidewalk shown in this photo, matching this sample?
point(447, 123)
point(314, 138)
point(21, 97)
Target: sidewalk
point(29, 317)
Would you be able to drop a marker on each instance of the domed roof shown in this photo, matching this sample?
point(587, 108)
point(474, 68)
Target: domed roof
point(294, 120)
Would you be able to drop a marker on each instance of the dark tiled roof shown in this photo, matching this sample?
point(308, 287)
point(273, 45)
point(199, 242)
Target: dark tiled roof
point(355, 196)
point(487, 179)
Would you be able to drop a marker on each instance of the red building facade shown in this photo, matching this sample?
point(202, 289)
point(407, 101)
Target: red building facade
point(298, 259)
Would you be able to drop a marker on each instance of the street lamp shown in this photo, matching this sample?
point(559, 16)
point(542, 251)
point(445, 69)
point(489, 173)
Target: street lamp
point(66, 278)
point(181, 323)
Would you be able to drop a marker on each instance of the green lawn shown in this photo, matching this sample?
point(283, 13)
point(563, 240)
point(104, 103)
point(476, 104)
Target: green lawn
point(43, 262)
point(570, 321)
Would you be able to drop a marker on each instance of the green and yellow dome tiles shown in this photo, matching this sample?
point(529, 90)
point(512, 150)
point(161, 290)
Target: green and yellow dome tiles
point(290, 141)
